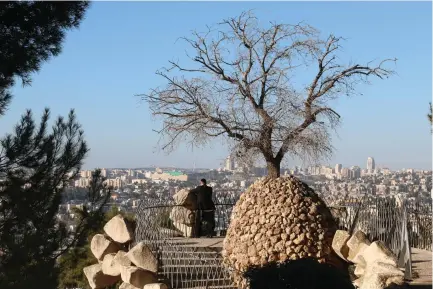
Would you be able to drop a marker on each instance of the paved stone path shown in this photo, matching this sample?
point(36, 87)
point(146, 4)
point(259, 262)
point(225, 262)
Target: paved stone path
point(421, 259)
point(422, 266)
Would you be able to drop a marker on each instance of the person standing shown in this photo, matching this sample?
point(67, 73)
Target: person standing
point(205, 215)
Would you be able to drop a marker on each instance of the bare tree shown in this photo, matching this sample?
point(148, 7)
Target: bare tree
point(242, 87)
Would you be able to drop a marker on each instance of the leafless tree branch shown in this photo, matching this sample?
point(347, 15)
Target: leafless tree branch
point(242, 87)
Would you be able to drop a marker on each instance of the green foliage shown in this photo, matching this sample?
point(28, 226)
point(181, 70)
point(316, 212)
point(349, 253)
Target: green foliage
point(36, 165)
point(31, 32)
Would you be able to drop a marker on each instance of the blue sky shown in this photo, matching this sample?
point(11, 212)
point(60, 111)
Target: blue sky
point(120, 45)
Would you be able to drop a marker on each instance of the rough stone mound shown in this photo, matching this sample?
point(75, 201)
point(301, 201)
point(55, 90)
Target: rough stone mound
point(119, 229)
point(276, 220)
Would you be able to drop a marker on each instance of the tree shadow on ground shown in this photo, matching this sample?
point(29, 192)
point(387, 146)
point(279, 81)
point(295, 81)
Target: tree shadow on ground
point(298, 274)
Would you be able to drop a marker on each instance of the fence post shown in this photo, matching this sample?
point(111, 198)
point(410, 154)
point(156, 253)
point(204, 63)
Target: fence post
point(405, 258)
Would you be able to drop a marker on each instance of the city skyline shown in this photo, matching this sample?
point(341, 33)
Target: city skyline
point(230, 164)
point(119, 129)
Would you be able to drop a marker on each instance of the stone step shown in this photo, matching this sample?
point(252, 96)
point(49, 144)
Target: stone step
point(180, 253)
point(175, 248)
point(188, 268)
point(209, 287)
point(192, 279)
point(207, 282)
point(191, 262)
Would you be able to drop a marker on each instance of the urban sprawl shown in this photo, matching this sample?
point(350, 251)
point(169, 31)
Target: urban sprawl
point(335, 184)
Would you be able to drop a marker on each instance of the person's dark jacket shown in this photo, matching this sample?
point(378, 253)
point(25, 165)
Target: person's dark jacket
point(204, 198)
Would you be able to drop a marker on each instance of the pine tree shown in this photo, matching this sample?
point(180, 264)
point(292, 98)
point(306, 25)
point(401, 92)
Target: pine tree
point(36, 163)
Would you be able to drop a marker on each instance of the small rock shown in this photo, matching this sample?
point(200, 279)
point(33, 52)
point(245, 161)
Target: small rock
point(101, 246)
point(119, 229)
point(96, 278)
point(137, 276)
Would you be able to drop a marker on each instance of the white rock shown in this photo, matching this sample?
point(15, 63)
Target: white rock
point(378, 252)
point(141, 256)
point(112, 263)
point(371, 281)
point(377, 275)
point(339, 244)
point(357, 283)
point(119, 230)
point(357, 243)
point(155, 286)
point(359, 271)
point(137, 276)
point(101, 246)
point(96, 278)
point(186, 231)
point(127, 286)
point(182, 215)
point(397, 280)
point(186, 199)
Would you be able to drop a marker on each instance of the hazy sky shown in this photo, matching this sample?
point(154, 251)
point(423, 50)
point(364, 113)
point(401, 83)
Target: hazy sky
point(120, 45)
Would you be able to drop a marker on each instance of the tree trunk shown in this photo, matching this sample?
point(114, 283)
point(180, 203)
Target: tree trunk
point(273, 168)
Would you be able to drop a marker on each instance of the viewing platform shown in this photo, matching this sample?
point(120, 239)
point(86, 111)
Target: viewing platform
point(188, 262)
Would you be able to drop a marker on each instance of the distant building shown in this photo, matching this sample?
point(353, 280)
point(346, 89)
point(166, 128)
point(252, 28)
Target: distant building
point(345, 173)
point(115, 183)
point(230, 164)
point(338, 168)
point(86, 174)
point(370, 164)
point(166, 176)
point(355, 172)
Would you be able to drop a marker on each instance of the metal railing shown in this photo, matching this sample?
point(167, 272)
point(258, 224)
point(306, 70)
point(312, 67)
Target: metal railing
point(156, 219)
point(181, 265)
point(400, 224)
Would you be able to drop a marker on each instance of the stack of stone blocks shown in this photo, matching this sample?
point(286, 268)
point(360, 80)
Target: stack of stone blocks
point(375, 264)
point(136, 268)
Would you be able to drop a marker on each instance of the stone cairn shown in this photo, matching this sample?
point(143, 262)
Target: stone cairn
point(136, 268)
point(276, 220)
point(375, 264)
